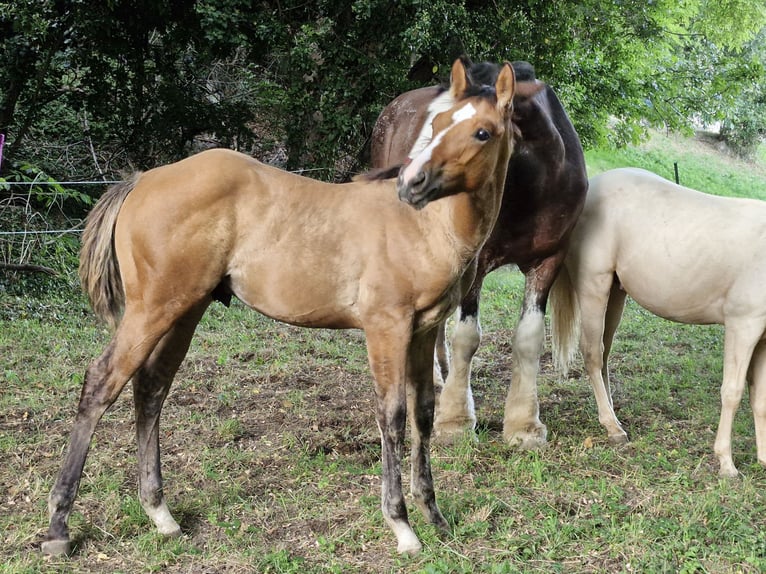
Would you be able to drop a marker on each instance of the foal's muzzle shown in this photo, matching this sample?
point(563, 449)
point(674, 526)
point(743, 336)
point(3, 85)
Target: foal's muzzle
point(418, 190)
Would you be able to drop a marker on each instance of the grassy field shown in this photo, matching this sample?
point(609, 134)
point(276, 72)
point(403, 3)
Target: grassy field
point(271, 452)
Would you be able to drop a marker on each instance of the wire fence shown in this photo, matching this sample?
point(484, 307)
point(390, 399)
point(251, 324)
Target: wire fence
point(32, 184)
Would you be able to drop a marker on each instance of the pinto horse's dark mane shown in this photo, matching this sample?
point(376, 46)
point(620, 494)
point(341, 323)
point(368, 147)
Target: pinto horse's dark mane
point(484, 74)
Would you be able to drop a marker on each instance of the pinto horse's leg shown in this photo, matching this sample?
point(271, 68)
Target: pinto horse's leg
point(522, 427)
point(387, 350)
point(422, 418)
point(739, 342)
point(105, 378)
point(456, 413)
point(151, 384)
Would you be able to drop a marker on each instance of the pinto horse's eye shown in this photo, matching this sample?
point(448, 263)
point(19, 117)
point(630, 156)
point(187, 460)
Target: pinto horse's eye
point(482, 135)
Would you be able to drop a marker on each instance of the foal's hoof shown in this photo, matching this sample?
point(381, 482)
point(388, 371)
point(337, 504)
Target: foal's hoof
point(171, 532)
point(56, 547)
point(409, 545)
point(530, 439)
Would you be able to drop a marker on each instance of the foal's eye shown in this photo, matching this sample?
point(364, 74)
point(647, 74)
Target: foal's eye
point(482, 135)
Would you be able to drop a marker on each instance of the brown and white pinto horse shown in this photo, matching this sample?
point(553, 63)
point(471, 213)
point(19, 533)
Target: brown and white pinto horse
point(683, 255)
point(161, 247)
point(544, 192)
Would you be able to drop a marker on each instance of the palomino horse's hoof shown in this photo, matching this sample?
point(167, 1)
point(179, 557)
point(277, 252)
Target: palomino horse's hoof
point(453, 431)
point(527, 439)
point(728, 473)
point(56, 547)
point(618, 439)
point(451, 437)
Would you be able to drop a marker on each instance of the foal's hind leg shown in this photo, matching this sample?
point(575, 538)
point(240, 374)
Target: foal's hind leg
point(150, 388)
point(104, 380)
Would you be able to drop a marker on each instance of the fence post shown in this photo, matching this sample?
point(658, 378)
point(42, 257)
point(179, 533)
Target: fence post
point(675, 169)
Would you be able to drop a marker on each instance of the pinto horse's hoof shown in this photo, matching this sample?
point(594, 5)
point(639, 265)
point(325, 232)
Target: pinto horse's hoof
point(529, 439)
point(62, 546)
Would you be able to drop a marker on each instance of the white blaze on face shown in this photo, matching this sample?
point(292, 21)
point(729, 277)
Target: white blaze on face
point(417, 163)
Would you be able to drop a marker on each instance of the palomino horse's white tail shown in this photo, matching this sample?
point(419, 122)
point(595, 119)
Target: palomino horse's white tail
point(565, 320)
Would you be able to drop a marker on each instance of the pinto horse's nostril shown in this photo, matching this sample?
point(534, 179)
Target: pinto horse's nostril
point(418, 179)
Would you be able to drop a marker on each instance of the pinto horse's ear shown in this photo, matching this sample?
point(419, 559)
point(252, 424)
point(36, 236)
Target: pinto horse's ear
point(458, 81)
point(505, 87)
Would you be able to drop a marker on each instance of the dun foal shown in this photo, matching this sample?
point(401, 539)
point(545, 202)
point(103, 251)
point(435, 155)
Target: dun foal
point(681, 254)
point(544, 192)
point(160, 248)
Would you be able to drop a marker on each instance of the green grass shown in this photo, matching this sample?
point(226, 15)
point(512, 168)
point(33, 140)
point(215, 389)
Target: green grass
point(271, 453)
point(700, 166)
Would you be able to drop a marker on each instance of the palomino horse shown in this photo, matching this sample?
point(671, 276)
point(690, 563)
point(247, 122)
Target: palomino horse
point(544, 191)
point(166, 244)
point(681, 254)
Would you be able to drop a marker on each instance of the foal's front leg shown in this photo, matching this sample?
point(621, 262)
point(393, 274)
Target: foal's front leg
point(387, 352)
point(422, 401)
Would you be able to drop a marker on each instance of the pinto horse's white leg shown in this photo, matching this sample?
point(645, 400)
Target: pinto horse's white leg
point(456, 413)
point(151, 384)
point(758, 398)
point(739, 342)
point(601, 310)
point(521, 425)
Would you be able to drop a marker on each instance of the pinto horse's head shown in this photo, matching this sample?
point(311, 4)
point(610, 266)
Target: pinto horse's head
point(471, 134)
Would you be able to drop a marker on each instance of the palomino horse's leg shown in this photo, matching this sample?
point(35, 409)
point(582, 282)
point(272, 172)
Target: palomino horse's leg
point(601, 387)
point(104, 380)
point(521, 424)
point(456, 413)
point(422, 417)
point(758, 398)
point(739, 342)
point(151, 384)
point(387, 351)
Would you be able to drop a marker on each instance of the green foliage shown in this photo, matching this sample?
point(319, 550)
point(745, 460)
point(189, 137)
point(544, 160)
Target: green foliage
point(88, 88)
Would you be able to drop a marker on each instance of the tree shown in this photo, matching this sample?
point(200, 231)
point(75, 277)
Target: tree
point(96, 87)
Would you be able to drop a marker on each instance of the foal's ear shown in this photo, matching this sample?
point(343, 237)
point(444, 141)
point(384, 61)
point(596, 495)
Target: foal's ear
point(458, 81)
point(505, 86)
